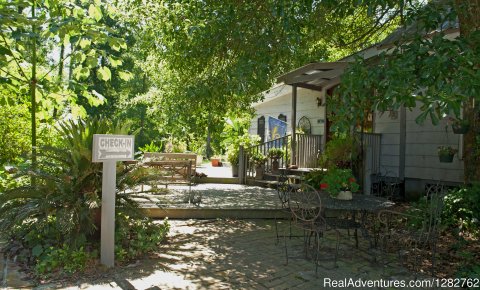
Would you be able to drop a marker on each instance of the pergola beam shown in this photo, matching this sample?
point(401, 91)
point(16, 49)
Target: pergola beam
point(308, 86)
point(324, 75)
point(289, 77)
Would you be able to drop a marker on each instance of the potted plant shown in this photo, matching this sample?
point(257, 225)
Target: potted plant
point(314, 178)
point(339, 183)
point(340, 152)
point(216, 161)
point(233, 159)
point(258, 159)
point(460, 126)
point(275, 154)
point(446, 153)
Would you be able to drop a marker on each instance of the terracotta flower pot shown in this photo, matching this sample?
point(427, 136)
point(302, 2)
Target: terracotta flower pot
point(275, 166)
point(215, 162)
point(259, 171)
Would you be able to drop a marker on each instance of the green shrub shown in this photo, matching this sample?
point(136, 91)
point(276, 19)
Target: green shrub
point(258, 158)
point(275, 153)
point(135, 237)
point(340, 152)
point(152, 147)
point(314, 178)
point(462, 209)
point(55, 219)
point(66, 259)
point(338, 179)
point(233, 148)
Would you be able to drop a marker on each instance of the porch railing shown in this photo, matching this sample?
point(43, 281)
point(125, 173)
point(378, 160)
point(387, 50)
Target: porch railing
point(308, 149)
point(371, 143)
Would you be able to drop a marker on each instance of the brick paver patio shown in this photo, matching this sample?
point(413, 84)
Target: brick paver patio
point(235, 254)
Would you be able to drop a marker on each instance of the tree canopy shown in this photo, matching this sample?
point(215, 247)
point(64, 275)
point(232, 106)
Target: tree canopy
point(423, 68)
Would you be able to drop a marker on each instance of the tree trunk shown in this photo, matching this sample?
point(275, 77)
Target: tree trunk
point(33, 89)
point(60, 74)
point(469, 20)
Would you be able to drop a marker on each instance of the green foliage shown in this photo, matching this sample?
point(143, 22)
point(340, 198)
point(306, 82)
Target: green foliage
point(314, 178)
point(233, 155)
point(68, 184)
point(338, 179)
point(258, 158)
point(340, 152)
point(233, 149)
point(446, 150)
point(135, 237)
point(214, 58)
point(56, 218)
point(470, 270)
point(152, 147)
point(66, 259)
point(436, 73)
point(175, 145)
point(15, 132)
point(462, 209)
point(275, 153)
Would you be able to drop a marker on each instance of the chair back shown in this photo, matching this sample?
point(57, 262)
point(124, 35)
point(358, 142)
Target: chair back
point(304, 202)
point(435, 195)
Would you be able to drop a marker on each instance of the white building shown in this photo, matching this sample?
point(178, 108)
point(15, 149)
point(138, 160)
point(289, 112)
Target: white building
point(277, 103)
point(407, 150)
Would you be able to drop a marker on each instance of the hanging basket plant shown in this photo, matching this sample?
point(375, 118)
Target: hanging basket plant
point(460, 126)
point(446, 153)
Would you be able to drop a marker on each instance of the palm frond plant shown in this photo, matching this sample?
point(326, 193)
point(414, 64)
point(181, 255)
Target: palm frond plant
point(61, 207)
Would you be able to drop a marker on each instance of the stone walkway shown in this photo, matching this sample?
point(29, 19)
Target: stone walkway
point(235, 254)
point(215, 196)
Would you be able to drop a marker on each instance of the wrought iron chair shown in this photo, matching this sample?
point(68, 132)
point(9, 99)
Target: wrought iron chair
point(414, 234)
point(305, 205)
point(387, 185)
point(282, 192)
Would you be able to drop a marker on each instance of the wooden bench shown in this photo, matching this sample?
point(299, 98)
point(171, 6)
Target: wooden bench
point(175, 168)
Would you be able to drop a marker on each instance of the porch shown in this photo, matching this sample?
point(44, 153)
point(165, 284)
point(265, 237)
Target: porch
point(309, 149)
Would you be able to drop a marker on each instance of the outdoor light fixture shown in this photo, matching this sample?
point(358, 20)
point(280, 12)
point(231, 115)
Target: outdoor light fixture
point(319, 102)
point(393, 114)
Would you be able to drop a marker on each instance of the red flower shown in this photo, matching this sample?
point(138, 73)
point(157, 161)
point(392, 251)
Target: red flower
point(323, 185)
point(351, 179)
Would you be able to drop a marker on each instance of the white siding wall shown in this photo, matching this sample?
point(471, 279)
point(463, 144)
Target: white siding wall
point(422, 141)
point(421, 160)
point(390, 148)
point(306, 106)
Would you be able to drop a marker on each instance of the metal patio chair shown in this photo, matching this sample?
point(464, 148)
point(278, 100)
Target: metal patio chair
point(386, 185)
point(305, 205)
point(414, 234)
point(284, 187)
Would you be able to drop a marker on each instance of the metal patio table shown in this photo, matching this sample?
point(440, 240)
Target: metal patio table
point(360, 204)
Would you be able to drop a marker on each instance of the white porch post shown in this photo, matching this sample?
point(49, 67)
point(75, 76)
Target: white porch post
point(294, 125)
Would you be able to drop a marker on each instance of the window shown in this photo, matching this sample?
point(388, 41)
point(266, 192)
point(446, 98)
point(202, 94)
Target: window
point(282, 117)
point(261, 128)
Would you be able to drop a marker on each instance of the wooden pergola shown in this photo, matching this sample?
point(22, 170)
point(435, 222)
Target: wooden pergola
point(316, 76)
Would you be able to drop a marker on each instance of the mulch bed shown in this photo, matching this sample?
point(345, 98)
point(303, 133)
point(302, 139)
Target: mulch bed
point(454, 252)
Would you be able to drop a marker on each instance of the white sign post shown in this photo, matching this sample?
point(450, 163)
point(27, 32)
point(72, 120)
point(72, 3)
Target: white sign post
point(109, 149)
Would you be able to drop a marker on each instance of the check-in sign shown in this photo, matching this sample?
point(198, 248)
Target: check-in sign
point(112, 147)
